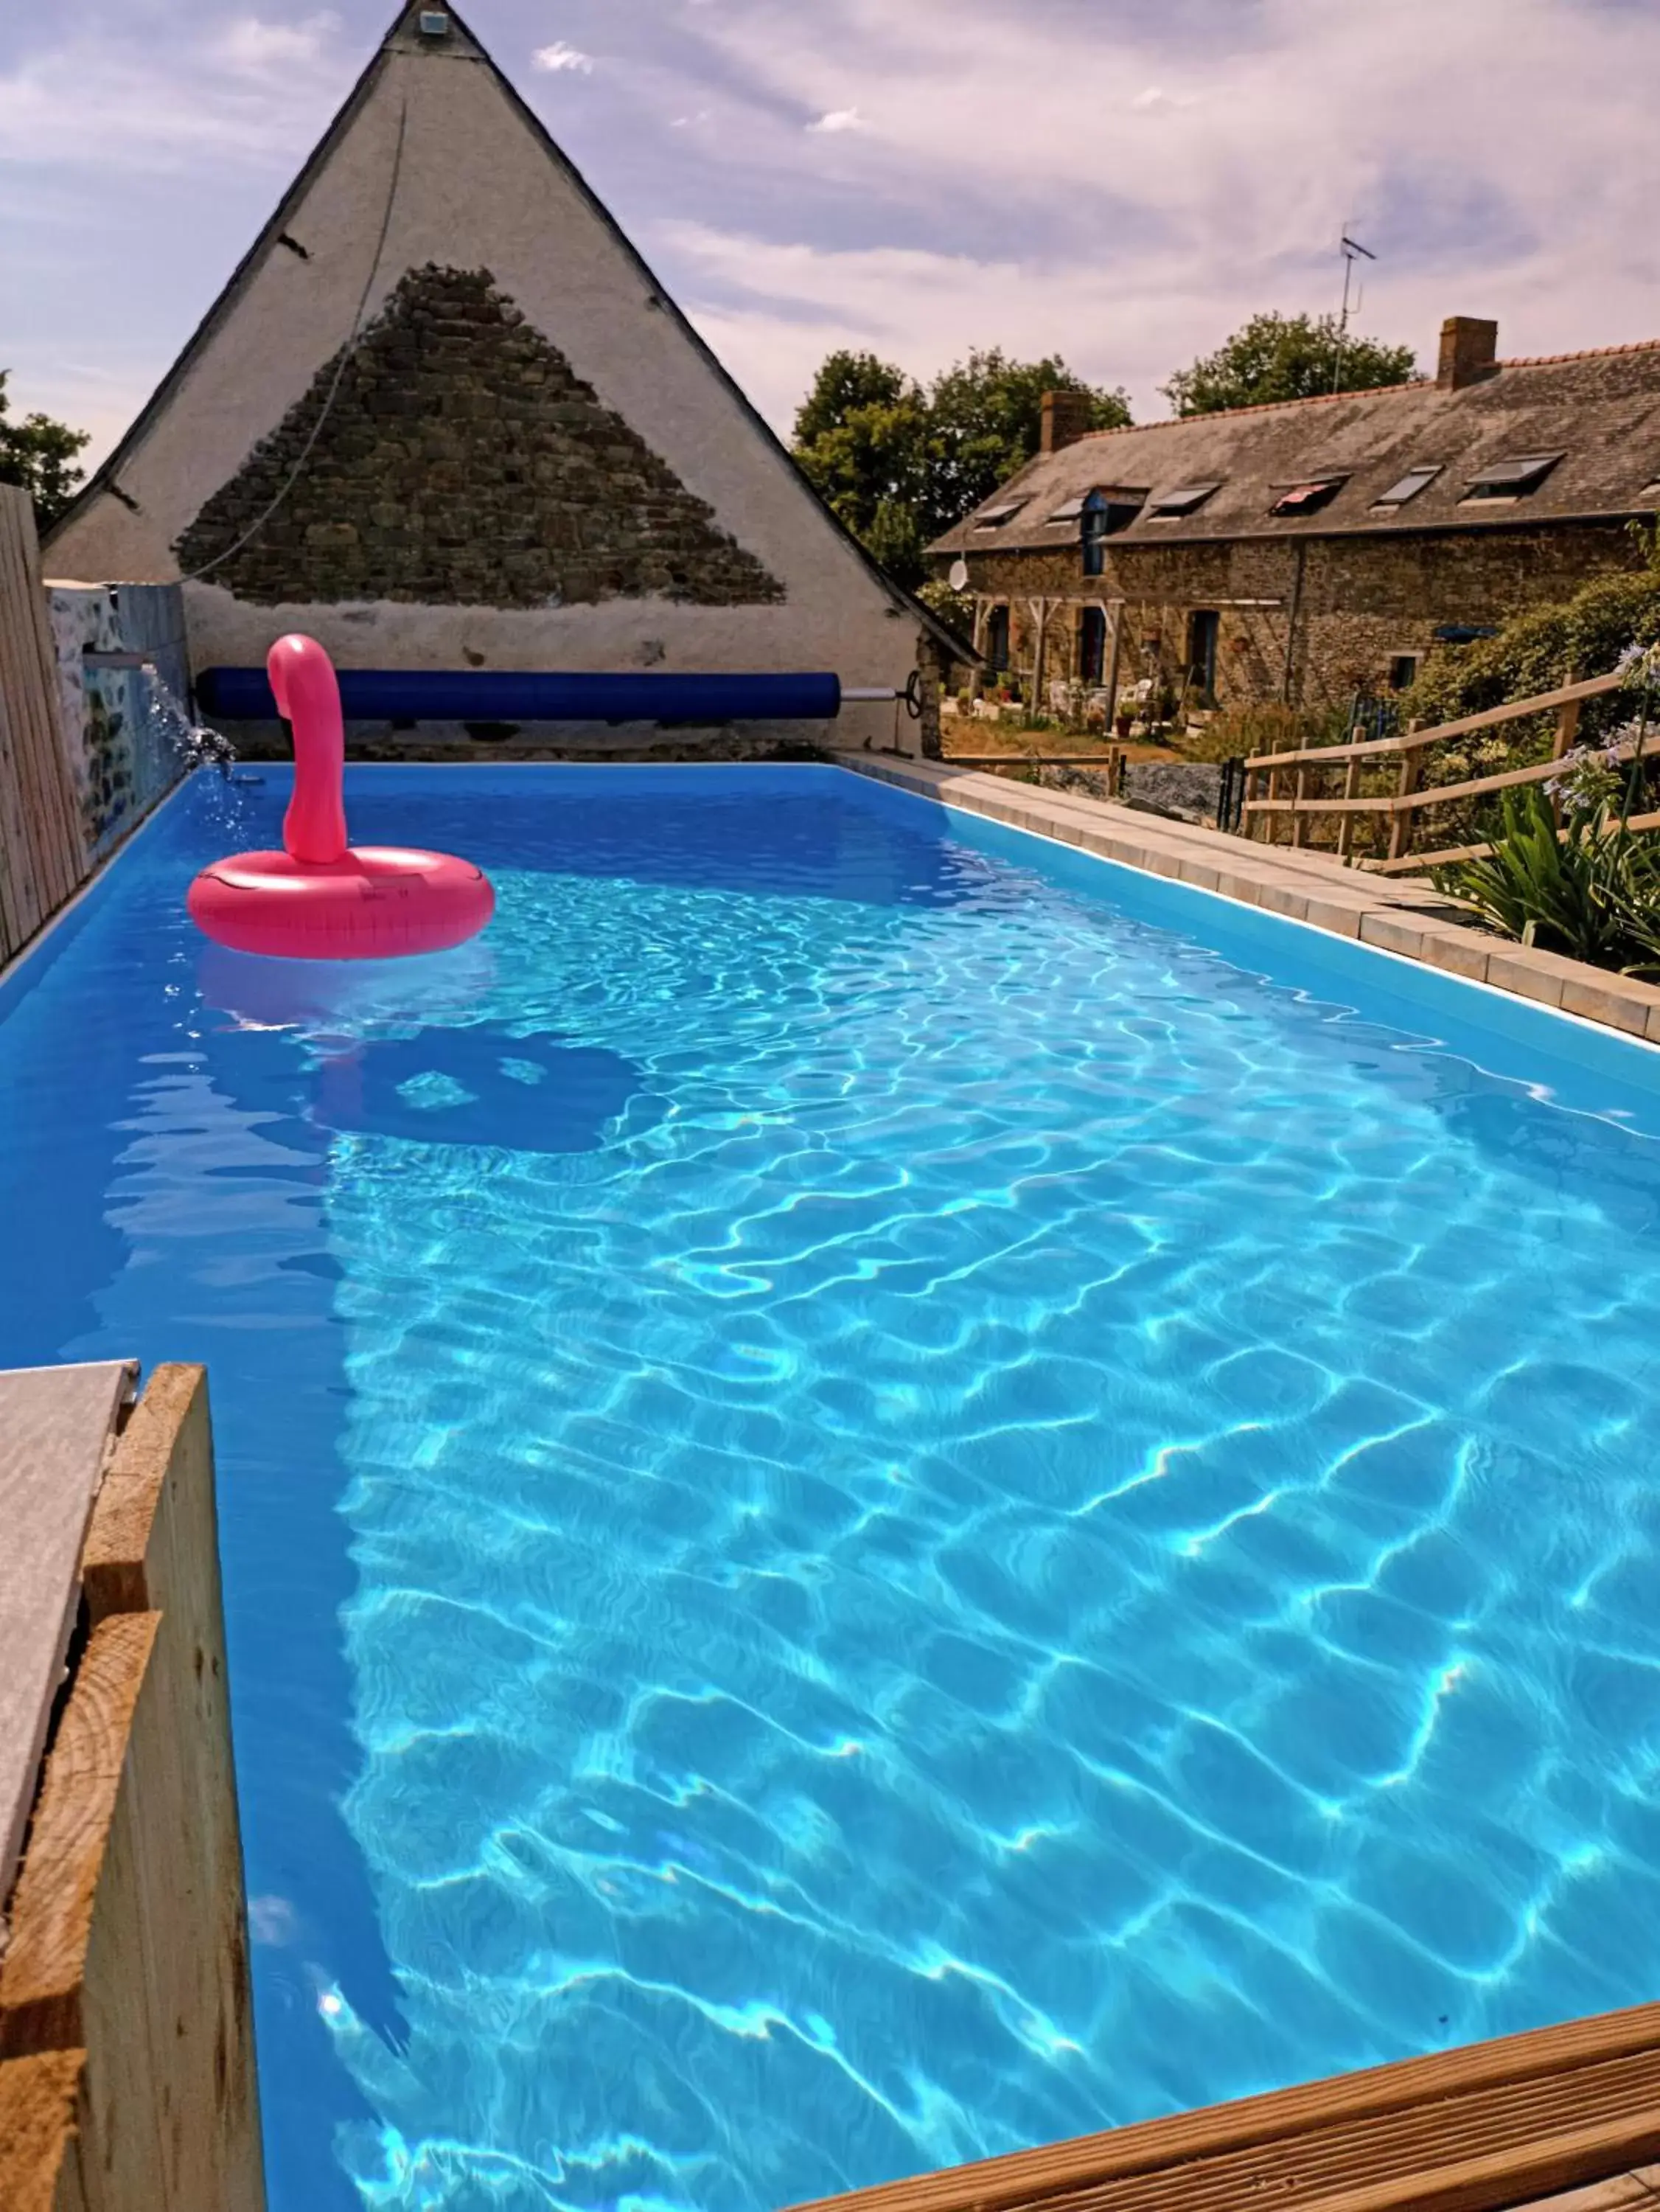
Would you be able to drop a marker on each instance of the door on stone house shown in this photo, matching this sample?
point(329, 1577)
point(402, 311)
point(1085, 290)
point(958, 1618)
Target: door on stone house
point(1091, 645)
point(996, 637)
point(1203, 626)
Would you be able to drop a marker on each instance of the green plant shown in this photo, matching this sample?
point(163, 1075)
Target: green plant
point(1590, 887)
point(1236, 732)
point(1533, 653)
point(1566, 893)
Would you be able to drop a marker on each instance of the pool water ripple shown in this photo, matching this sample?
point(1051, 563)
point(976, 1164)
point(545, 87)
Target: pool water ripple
point(911, 1498)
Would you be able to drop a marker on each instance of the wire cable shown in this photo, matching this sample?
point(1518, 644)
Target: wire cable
point(347, 351)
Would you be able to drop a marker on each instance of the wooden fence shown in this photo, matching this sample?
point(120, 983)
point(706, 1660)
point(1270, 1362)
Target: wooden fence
point(1310, 797)
point(43, 853)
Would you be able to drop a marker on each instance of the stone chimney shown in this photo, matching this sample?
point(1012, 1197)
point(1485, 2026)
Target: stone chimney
point(1065, 420)
point(1469, 351)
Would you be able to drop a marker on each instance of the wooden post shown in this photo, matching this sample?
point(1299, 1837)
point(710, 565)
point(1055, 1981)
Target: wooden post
point(1567, 729)
point(1039, 608)
point(1116, 612)
point(1400, 825)
point(1299, 792)
point(129, 1938)
point(1346, 821)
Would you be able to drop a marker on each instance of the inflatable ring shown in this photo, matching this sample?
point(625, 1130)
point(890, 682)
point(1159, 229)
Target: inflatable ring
point(320, 898)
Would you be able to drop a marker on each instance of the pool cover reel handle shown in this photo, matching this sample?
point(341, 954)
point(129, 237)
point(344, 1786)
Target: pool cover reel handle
point(878, 693)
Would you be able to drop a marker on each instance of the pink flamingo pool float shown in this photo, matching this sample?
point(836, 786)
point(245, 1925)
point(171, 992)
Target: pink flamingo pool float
point(321, 898)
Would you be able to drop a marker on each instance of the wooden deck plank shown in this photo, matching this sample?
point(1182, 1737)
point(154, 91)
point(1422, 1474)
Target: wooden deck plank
point(129, 1928)
point(1622, 2192)
point(1471, 2131)
point(154, 1543)
point(56, 1424)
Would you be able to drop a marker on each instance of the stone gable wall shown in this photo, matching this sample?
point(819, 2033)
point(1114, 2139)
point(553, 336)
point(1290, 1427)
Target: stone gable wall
point(463, 462)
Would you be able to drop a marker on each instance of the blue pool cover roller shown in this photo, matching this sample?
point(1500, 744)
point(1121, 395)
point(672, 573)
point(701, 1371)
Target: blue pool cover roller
point(371, 695)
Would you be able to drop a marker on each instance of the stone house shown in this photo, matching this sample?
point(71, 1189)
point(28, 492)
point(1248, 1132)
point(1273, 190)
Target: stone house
point(1307, 550)
point(444, 418)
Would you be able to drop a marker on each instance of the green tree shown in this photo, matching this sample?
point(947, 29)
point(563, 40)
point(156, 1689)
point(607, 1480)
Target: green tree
point(900, 464)
point(1286, 357)
point(39, 453)
point(862, 437)
point(986, 416)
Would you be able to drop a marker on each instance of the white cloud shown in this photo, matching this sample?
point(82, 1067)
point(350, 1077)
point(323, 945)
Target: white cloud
point(1183, 168)
point(254, 95)
point(561, 56)
point(838, 120)
point(250, 45)
point(1213, 201)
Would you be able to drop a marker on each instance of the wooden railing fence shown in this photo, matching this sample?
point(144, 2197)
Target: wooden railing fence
point(1267, 797)
point(43, 852)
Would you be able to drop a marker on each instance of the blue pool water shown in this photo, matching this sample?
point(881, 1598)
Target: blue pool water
point(885, 1494)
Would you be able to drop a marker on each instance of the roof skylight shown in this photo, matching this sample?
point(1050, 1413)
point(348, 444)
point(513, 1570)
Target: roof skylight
point(1307, 498)
point(1510, 479)
point(993, 518)
point(1408, 486)
point(1184, 499)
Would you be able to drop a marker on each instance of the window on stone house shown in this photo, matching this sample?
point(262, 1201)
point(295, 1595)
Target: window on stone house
point(1309, 498)
point(993, 518)
point(1408, 486)
point(1510, 479)
point(1182, 498)
point(1204, 628)
point(1403, 671)
point(996, 637)
point(1091, 645)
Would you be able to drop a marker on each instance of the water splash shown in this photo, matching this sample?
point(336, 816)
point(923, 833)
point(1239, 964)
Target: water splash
point(196, 743)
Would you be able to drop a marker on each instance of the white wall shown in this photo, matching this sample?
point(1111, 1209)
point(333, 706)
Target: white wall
point(477, 190)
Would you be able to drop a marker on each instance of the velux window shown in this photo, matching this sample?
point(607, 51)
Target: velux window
point(1308, 498)
point(1408, 486)
point(1182, 498)
point(1510, 479)
point(993, 518)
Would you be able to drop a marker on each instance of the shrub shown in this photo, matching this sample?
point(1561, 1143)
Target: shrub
point(1236, 732)
point(1591, 887)
point(1546, 647)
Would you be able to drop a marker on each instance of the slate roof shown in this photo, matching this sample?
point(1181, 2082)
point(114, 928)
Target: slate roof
point(1600, 411)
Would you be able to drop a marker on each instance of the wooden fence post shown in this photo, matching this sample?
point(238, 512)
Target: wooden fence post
point(1401, 825)
point(1346, 825)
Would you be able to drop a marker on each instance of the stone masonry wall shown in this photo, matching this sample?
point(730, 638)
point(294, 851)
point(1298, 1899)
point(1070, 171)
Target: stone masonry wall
point(462, 461)
point(1359, 602)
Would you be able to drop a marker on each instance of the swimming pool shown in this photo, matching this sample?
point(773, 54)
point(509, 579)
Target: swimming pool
point(886, 1492)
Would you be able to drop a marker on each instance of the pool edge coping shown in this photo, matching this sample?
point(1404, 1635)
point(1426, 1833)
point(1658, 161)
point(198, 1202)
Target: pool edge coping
point(1412, 923)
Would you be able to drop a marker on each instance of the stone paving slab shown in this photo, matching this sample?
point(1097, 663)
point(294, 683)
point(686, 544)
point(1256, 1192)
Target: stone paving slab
point(1411, 919)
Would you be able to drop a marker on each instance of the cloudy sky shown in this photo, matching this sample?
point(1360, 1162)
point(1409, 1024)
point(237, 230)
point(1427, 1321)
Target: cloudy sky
point(1121, 181)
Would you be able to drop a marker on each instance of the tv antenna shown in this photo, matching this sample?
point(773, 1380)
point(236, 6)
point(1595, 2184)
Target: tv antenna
point(1352, 251)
